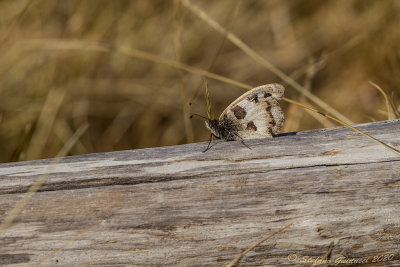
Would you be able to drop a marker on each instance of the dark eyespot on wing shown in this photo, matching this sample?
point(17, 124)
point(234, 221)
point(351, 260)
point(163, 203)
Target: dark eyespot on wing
point(239, 112)
point(272, 122)
point(251, 126)
point(269, 129)
point(253, 98)
point(267, 95)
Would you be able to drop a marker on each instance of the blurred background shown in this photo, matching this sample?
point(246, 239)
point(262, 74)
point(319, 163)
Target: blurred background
point(61, 67)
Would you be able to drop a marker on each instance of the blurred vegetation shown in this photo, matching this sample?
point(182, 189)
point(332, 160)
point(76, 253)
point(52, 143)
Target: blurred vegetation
point(54, 76)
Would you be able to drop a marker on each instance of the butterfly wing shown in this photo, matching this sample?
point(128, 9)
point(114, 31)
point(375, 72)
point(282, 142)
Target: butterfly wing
point(257, 112)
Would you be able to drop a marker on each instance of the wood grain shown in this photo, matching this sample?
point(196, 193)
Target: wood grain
point(177, 206)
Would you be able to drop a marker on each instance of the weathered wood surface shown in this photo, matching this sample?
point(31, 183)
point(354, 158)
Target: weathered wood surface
point(178, 206)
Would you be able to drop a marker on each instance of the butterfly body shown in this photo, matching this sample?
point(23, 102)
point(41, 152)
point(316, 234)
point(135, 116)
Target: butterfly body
point(224, 129)
point(256, 114)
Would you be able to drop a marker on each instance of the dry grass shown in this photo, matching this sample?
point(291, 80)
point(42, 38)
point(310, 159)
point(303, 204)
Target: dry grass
point(60, 67)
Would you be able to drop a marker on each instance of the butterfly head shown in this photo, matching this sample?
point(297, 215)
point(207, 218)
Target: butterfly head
point(214, 126)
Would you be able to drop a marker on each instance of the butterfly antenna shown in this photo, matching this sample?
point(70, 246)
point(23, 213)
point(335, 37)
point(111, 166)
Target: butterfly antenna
point(201, 116)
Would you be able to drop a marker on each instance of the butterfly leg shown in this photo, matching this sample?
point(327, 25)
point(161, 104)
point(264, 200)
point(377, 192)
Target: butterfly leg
point(240, 139)
point(243, 143)
point(209, 142)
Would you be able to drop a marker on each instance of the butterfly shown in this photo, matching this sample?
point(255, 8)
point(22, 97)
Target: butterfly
point(255, 114)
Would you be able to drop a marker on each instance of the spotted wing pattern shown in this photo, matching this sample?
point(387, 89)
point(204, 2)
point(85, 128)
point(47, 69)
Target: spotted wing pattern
point(257, 112)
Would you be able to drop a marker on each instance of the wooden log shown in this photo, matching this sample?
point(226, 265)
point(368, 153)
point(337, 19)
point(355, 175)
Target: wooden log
point(177, 206)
